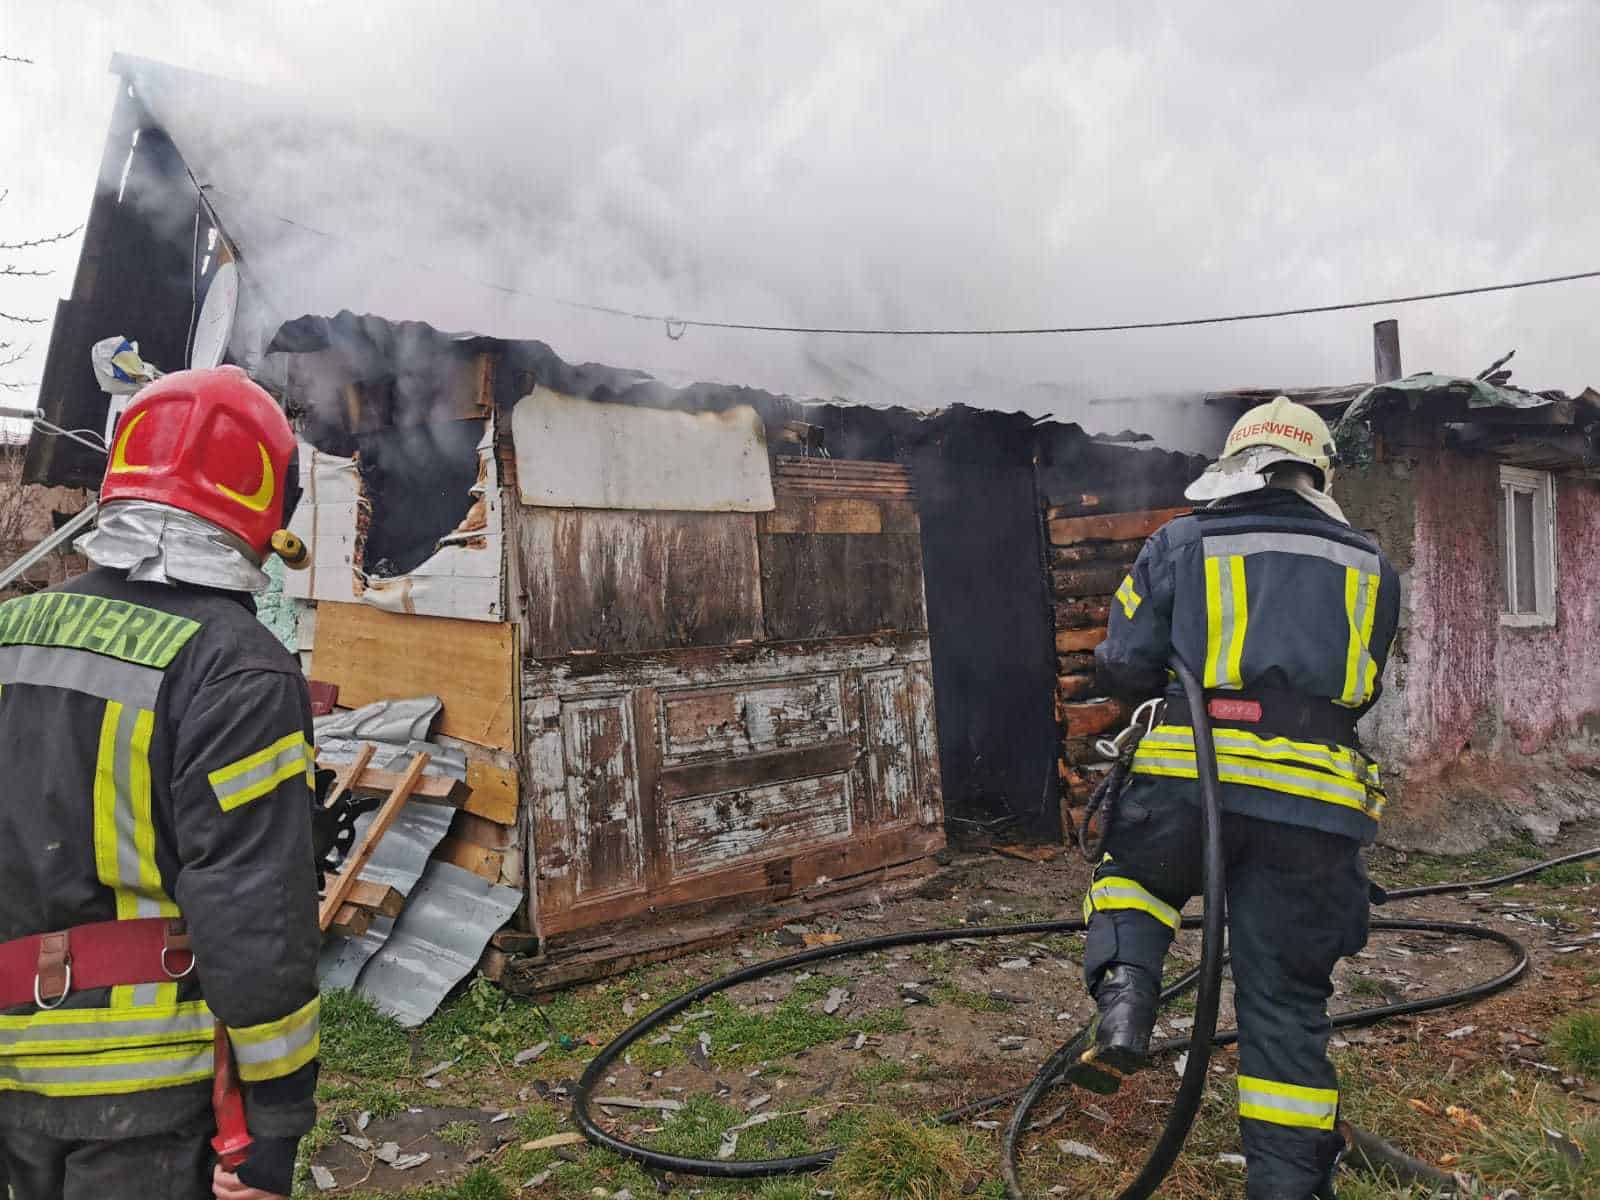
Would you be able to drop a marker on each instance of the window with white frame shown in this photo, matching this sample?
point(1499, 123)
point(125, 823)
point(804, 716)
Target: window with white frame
point(1527, 541)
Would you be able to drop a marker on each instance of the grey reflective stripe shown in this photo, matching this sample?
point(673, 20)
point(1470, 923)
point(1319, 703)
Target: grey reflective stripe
point(81, 671)
point(1230, 741)
point(294, 755)
point(1288, 1104)
point(172, 1026)
point(260, 1053)
point(181, 1063)
point(1308, 544)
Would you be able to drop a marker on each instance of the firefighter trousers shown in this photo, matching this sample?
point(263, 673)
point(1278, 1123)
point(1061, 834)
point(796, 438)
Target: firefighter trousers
point(1297, 903)
point(162, 1166)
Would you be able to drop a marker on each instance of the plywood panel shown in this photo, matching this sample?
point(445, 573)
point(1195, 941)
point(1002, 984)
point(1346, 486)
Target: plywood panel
point(753, 718)
point(625, 581)
point(1113, 527)
point(889, 745)
point(714, 831)
point(602, 789)
point(842, 584)
point(470, 665)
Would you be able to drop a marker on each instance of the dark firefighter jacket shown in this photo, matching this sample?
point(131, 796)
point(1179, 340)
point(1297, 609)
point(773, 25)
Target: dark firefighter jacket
point(156, 755)
point(1269, 600)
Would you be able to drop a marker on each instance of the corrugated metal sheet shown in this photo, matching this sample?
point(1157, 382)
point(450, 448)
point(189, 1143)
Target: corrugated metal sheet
point(448, 920)
point(574, 453)
point(399, 861)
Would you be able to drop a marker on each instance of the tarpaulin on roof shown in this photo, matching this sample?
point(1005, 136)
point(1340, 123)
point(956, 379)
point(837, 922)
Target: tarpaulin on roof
point(1414, 389)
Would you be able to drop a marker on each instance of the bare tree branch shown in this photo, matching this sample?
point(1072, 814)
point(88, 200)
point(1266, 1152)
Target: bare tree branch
point(16, 272)
point(12, 317)
point(13, 58)
point(49, 239)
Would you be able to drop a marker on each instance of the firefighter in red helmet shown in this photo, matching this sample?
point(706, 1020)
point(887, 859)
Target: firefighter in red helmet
point(155, 827)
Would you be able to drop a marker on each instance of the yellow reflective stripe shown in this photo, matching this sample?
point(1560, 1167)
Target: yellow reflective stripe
point(1287, 1103)
point(1117, 892)
point(1293, 781)
point(125, 834)
point(1129, 598)
point(254, 775)
point(96, 1074)
point(1338, 759)
point(84, 1030)
point(1227, 616)
point(277, 1048)
point(1360, 606)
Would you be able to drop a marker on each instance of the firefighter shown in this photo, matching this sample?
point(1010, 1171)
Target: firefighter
point(1286, 615)
point(155, 823)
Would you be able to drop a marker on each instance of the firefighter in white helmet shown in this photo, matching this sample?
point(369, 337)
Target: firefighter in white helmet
point(1286, 615)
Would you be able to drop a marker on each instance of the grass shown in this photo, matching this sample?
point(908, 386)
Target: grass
point(460, 1133)
point(895, 1159)
point(978, 1002)
point(359, 1040)
point(1575, 1039)
point(1362, 985)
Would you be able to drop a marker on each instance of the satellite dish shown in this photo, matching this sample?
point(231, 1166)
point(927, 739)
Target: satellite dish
point(215, 325)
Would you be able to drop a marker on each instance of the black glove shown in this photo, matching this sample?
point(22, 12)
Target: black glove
point(270, 1166)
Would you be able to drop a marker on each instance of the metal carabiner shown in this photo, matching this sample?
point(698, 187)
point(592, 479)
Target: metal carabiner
point(66, 990)
point(1145, 718)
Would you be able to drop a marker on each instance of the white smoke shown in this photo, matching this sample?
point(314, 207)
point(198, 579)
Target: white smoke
point(907, 164)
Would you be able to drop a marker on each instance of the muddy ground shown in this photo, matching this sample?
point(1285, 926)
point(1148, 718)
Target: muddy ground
point(921, 1030)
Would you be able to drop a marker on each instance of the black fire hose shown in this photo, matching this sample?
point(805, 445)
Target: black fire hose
point(1171, 1141)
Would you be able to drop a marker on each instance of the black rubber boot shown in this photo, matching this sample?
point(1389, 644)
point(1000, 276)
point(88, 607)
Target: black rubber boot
point(1127, 999)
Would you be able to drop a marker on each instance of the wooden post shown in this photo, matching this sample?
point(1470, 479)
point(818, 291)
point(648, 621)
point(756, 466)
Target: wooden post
point(1385, 351)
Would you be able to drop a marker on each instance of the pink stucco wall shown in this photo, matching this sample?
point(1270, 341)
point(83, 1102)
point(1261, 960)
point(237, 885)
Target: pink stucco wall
point(1470, 681)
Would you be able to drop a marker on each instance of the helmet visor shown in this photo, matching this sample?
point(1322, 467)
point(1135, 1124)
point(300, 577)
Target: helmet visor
point(1239, 473)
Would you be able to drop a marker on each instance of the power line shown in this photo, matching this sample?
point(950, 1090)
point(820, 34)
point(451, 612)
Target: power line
point(679, 324)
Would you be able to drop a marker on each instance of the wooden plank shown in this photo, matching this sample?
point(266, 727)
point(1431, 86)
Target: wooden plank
point(602, 789)
point(379, 897)
point(710, 831)
point(1090, 720)
point(1075, 662)
point(1103, 554)
point(482, 832)
point(440, 789)
point(1068, 640)
point(1075, 614)
point(886, 703)
point(789, 466)
point(626, 581)
point(647, 748)
point(1070, 687)
point(1073, 506)
point(753, 718)
point(1113, 527)
point(823, 587)
point(480, 860)
point(757, 770)
point(470, 665)
point(882, 491)
point(1087, 581)
point(493, 792)
point(822, 514)
point(350, 921)
point(361, 853)
point(351, 770)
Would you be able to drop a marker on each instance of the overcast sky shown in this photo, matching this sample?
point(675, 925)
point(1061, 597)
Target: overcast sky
point(908, 164)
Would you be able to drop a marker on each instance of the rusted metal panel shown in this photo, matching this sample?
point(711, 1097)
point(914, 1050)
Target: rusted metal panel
point(841, 584)
point(602, 788)
point(712, 831)
point(742, 720)
point(623, 581)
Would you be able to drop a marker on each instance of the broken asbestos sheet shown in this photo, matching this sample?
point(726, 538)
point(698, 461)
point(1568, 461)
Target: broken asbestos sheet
point(436, 941)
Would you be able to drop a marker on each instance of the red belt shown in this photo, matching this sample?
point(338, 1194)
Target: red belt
point(43, 968)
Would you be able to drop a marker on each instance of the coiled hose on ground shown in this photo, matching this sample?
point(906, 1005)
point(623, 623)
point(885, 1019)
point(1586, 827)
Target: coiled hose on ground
point(1204, 1036)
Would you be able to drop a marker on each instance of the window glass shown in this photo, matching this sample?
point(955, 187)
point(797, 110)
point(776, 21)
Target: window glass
point(1523, 542)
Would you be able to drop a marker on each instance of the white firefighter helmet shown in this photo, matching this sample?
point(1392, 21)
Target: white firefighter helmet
point(1279, 432)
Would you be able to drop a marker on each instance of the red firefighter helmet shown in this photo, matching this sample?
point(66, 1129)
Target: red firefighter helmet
point(212, 443)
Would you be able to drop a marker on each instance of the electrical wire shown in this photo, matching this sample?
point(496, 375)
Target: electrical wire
point(676, 326)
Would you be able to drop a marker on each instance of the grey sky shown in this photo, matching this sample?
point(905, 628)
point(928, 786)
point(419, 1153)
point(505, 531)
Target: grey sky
point(900, 164)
